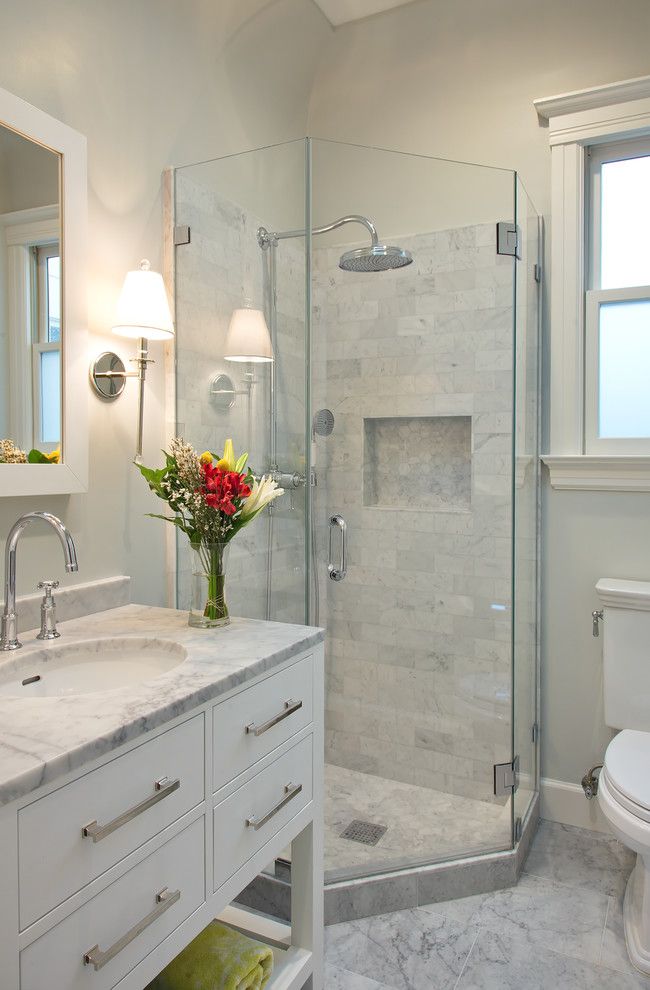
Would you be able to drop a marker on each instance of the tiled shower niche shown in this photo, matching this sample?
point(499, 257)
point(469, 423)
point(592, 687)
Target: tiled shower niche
point(417, 462)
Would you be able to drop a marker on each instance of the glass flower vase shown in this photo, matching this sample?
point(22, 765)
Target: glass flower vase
point(208, 608)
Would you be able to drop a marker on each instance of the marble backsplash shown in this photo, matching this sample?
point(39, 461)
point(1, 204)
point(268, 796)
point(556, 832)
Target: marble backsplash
point(75, 601)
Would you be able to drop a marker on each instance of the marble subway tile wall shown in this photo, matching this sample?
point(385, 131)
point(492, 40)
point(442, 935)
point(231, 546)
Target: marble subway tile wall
point(221, 269)
point(418, 645)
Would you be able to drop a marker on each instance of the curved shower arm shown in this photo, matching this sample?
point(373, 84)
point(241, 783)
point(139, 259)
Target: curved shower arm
point(266, 237)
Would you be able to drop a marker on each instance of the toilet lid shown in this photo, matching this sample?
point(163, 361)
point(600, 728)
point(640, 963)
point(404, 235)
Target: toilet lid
point(627, 762)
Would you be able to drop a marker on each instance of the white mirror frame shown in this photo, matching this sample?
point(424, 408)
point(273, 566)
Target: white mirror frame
point(72, 475)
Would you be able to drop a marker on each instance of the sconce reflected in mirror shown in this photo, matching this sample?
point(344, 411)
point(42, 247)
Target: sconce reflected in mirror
point(248, 339)
point(142, 312)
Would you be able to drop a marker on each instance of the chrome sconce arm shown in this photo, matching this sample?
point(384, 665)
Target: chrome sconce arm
point(108, 378)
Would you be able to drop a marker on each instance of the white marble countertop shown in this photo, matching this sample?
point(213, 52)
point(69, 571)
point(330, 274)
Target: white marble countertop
point(44, 738)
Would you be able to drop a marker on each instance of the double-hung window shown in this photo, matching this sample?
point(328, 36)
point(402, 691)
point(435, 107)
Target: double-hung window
point(617, 298)
point(46, 346)
point(598, 320)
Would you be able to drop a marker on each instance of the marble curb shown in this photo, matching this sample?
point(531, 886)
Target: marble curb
point(349, 900)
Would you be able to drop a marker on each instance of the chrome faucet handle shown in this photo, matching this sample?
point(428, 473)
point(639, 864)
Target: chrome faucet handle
point(49, 586)
point(48, 611)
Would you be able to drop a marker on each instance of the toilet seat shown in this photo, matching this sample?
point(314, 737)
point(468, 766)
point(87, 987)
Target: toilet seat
point(627, 772)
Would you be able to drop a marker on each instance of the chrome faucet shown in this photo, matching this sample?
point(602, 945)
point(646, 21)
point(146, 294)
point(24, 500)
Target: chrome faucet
point(9, 629)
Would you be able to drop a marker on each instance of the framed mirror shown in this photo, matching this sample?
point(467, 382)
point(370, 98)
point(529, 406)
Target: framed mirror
point(43, 349)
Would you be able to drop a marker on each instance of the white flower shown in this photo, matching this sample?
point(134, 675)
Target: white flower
point(262, 492)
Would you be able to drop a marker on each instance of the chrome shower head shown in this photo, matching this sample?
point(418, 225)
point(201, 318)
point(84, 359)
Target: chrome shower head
point(375, 258)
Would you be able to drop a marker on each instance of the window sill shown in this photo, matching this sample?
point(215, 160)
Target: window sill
point(600, 473)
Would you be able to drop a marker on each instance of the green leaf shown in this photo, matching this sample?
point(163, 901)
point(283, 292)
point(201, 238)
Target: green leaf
point(152, 477)
point(37, 457)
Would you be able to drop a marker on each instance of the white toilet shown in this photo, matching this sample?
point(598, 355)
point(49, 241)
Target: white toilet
point(624, 784)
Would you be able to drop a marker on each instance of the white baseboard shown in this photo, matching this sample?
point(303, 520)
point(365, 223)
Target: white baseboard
point(566, 803)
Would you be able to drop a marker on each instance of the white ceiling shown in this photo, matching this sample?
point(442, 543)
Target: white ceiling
point(342, 11)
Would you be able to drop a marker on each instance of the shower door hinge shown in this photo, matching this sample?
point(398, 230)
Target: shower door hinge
point(537, 271)
point(506, 777)
point(519, 827)
point(508, 239)
point(182, 235)
point(535, 732)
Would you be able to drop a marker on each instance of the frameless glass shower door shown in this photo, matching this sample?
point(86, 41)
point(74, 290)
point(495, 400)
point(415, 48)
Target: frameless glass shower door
point(400, 413)
point(416, 366)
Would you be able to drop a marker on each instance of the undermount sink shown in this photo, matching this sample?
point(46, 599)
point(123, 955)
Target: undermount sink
point(88, 667)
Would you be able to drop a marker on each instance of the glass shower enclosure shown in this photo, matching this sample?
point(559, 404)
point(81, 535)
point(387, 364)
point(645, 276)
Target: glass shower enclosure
point(401, 415)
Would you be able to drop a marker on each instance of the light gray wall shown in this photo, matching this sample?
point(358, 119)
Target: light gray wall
point(151, 84)
point(458, 80)
point(29, 174)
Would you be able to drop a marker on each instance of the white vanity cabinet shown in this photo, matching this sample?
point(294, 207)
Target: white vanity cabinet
point(110, 871)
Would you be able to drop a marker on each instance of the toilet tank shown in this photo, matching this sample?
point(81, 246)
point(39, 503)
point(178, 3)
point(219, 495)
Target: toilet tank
point(626, 652)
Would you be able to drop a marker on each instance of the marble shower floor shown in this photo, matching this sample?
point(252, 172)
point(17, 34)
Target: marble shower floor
point(423, 825)
point(559, 928)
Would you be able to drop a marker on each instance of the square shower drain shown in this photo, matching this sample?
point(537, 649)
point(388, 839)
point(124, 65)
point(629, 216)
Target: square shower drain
point(366, 832)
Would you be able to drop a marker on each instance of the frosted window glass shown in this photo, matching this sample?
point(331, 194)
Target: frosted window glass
point(50, 396)
point(624, 369)
point(625, 223)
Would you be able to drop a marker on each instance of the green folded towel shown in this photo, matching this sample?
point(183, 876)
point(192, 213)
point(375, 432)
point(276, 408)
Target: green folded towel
point(218, 959)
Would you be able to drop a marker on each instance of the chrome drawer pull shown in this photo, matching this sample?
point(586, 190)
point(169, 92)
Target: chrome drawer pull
point(290, 707)
point(162, 789)
point(290, 791)
point(164, 900)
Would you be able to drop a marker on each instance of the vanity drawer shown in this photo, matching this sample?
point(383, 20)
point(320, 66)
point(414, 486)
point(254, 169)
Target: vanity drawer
point(56, 960)
point(246, 820)
point(56, 859)
point(251, 724)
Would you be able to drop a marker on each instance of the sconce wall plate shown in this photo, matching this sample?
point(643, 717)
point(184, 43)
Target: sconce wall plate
point(222, 392)
point(108, 376)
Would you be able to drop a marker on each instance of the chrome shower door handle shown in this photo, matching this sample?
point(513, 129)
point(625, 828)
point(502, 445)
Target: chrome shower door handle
point(338, 573)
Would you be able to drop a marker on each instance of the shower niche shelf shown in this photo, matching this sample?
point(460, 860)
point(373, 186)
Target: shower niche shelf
point(417, 462)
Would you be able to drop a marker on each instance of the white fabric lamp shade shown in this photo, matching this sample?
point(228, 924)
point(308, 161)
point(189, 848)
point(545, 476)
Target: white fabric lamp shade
point(248, 337)
point(143, 308)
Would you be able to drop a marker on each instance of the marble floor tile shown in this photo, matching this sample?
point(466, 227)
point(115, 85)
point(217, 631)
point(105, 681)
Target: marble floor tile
point(547, 914)
point(407, 950)
point(497, 962)
point(580, 858)
point(344, 979)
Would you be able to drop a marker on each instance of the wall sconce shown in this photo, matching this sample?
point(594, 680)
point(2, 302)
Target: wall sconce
point(142, 312)
point(248, 341)
point(248, 338)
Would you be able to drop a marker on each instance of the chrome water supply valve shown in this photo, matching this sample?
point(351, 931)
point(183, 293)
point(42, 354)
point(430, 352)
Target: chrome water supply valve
point(590, 781)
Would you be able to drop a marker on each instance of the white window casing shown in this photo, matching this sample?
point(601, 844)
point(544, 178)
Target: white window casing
point(579, 120)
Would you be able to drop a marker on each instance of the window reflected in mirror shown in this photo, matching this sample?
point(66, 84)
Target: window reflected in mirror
point(31, 331)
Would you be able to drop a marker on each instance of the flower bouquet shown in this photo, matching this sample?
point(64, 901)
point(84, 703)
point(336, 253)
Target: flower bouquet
point(213, 498)
point(11, 454)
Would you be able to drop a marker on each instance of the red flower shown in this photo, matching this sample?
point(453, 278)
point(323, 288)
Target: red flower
point(222, 490)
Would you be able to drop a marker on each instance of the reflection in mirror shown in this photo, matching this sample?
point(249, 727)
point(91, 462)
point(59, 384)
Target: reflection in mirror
point(30, 295)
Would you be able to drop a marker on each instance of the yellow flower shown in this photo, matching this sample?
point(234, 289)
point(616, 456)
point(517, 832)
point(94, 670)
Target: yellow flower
point(206, 457)
point(227, 461)
point(54, 457)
